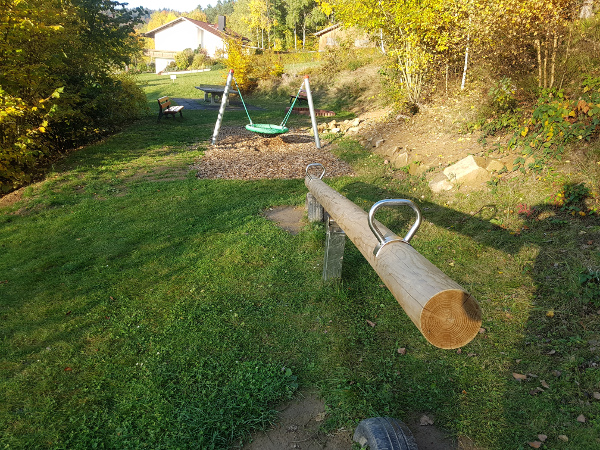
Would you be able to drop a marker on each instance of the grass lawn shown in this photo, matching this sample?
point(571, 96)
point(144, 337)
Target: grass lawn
point(143, 307)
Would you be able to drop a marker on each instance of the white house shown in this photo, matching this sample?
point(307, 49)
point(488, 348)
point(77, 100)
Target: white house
point(183, 33)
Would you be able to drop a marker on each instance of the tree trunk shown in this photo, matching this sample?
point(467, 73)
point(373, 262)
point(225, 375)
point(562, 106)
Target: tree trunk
point(587, 9)
point(546, 67)
point(538, 47)
point(303, 35)
point(566, 57)
point(464, 77)
point(553, 61)
point(447, 71)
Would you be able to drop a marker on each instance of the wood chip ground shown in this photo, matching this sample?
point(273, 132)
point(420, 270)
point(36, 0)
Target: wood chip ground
point(243, 155)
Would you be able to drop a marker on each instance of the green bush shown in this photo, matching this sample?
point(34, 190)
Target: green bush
point(502, 96)
point(558, 120)
point(22, 128)
point(171, 67)
point(88, 112)
point(184, 59)
point(200, 60)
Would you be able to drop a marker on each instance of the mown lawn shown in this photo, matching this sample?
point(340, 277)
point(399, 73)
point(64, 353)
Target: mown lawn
point(143, 307)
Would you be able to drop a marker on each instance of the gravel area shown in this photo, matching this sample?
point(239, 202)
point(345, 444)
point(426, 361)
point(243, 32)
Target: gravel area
point(243, 155)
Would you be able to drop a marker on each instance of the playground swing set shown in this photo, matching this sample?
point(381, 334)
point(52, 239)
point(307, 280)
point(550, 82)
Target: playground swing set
point(263, 128)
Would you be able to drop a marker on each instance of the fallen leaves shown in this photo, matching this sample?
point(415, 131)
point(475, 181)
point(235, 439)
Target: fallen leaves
point(581, 418)
point(519, 377)
point(536, 391)
point(596, 395)
point(402, 351)
point(535, 444)
point(563, 438)
point(372, 324)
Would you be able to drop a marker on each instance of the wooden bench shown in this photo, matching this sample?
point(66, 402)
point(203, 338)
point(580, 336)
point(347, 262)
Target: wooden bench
point(301, 98)
point(165, 108)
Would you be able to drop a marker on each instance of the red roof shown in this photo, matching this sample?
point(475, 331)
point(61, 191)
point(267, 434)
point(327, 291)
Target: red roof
point(205, 26)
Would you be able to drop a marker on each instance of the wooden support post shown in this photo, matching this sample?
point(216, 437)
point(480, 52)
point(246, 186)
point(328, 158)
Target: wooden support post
point(442, 310)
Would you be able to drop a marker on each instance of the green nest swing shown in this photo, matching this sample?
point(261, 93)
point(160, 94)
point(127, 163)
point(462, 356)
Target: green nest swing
point(267, 129)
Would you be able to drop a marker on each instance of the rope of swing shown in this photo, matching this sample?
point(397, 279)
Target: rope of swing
point(287, 116)
point(242, 99)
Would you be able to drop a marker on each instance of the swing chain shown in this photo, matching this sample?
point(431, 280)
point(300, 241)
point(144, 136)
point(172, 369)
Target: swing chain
point(285, 119)
point(242, 99)
point(287, 116)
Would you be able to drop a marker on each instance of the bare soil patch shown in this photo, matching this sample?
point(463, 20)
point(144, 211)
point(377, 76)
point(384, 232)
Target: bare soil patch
point(288, 218)
point(300, 420)
point(11, 198)
point(240, 154)
point(298, 428)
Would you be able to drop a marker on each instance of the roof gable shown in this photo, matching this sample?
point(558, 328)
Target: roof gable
point(202, 25)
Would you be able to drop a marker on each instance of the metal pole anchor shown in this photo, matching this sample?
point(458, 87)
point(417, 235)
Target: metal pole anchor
point(314, 209)
point(335, 241)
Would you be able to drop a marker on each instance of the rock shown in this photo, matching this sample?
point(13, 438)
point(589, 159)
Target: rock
point(400, 160)
point(356, 122)
point(418, 169)
point(386, 162)
point(440, 183)
point(509, 163)
point(321, 127)
point(332, 124)
point(469, 170)
point(335, 130)
point(379, 143)
point(495, 166)
point(353, 130)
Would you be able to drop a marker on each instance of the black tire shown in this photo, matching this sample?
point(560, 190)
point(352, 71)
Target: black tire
point(384, 433)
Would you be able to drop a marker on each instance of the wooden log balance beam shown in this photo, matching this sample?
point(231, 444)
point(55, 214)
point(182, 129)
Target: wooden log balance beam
point(442, 310)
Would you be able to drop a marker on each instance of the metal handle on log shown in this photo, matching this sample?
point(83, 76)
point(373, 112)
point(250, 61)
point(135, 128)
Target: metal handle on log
point(315, 165)
point(384, 240)
point(447, 315)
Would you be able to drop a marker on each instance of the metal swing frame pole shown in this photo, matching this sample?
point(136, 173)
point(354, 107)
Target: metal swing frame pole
point(222, 108)
point(311, 108)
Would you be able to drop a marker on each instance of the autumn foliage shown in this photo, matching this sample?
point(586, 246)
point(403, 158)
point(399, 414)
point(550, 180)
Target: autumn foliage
point(59, 82)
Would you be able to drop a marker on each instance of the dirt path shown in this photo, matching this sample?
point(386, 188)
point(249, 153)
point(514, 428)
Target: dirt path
point(300, 420)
